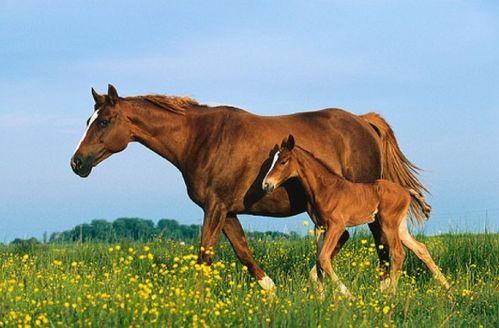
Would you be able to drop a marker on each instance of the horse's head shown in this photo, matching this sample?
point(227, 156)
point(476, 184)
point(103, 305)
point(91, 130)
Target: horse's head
point(283, 166)
point(107, 133)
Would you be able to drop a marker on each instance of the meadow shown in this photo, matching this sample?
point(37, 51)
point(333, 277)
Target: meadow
point(132, 284)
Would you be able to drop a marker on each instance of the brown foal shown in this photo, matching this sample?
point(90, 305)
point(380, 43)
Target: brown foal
point(337, 203)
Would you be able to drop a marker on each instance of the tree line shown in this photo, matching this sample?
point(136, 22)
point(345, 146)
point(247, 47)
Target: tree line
point(138, 229)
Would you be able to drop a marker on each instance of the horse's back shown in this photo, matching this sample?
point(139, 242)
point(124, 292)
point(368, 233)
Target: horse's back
point(238, 147)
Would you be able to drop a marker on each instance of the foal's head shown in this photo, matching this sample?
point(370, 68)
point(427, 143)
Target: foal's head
point(283, 166)
point(107, 133)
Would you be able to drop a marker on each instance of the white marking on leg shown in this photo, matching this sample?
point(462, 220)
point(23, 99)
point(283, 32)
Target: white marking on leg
point(344, 290)
point(385, 283)
point(422, 253)
point(313, 274)
point(266, 283)
point(92, 119)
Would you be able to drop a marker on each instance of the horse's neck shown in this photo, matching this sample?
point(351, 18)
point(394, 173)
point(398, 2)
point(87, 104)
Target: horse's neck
point(163, 132)
point(314, 176)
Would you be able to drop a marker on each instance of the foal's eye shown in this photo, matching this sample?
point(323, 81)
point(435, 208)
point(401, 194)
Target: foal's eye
point(283, 162)
point(103, 123)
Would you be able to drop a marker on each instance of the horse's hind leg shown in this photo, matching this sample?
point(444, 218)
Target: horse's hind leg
point(235, 233)
point(422, 253)
point(383, 250)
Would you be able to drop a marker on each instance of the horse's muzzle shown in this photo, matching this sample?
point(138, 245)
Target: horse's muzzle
point(81, 166)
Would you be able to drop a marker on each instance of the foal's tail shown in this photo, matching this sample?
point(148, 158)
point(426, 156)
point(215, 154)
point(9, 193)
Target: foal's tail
point(396, 167)
point(419, 198)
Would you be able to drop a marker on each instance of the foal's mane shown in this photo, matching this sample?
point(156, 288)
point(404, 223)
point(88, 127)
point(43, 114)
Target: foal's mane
point(175, 104)
point(321, 163)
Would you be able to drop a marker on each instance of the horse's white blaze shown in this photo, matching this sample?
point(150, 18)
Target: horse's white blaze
point(266, 283)
point(276, 156)
point(92, 119)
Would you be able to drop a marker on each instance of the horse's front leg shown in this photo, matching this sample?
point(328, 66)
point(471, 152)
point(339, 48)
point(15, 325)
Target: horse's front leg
point(235, 233)
point(214, 219)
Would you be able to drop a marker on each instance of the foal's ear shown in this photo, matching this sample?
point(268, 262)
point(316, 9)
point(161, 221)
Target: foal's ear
point(284, 142)
point(290, 143)
point(112, 94)
point(274, 150)
point(99, 99)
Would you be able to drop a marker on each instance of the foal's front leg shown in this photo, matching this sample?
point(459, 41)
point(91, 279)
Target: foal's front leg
point(331, 238)
point(319, 235)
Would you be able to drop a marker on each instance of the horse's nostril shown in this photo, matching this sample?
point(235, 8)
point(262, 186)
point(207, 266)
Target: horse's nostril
point(76, 162)
point(268, 187)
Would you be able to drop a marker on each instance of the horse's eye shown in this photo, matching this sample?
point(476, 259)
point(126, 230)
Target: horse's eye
point(103, 123)
point(283, 162)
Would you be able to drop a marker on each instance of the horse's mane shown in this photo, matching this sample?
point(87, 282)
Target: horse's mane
point(176, 104)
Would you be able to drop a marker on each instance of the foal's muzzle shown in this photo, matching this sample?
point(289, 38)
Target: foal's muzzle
point(268, 187)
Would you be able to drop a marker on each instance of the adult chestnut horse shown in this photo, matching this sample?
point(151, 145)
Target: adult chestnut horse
point(223, 155)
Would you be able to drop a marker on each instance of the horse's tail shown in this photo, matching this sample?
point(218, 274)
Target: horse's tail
point(396, 167)
point(419, 198)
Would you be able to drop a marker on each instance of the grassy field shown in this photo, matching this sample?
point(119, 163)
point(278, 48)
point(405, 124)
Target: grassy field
point(140, 285)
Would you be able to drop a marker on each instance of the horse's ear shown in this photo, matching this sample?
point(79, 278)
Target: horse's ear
point(112, 94)
point(99, 99)
point(290, 143)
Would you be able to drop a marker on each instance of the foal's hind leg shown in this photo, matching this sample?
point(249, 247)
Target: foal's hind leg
point(398, 256)
point(422, 252)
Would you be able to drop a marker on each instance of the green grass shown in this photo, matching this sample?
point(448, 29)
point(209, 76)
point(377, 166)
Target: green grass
point(101, 285)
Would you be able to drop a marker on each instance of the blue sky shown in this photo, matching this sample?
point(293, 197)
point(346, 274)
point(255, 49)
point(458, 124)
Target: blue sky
point(431, 68)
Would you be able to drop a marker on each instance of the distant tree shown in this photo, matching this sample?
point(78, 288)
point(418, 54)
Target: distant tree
point(144, 230)
point(168, 228)
point(30, 241)
point(134, 228)
point(82, 233)
point(102, 230)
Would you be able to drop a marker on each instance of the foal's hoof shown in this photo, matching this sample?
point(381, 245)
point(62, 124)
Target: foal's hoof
point(385, 285)
point(321, 294)
point(345, 292)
